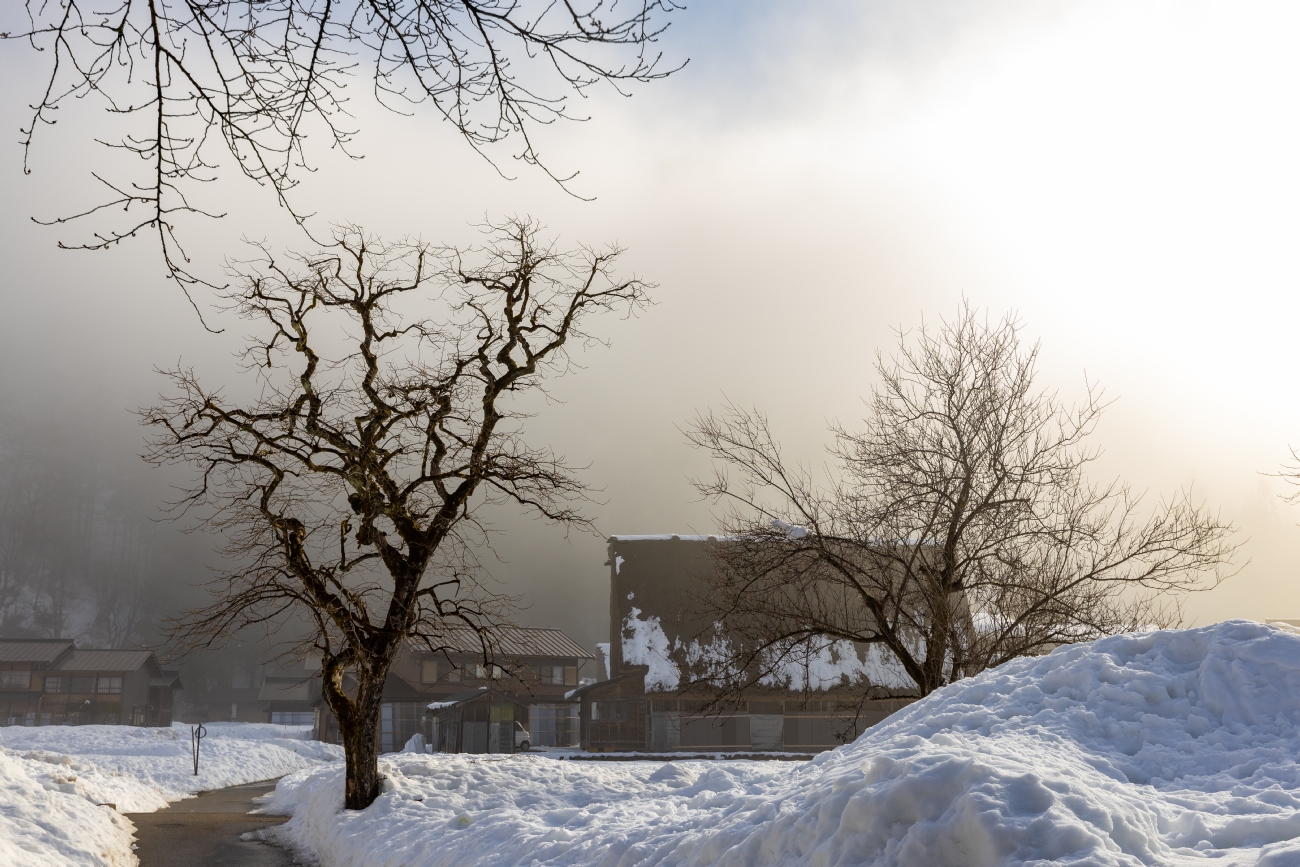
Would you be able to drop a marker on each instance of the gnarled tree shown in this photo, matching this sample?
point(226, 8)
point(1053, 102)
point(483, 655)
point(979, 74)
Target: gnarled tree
point(961, 529)
point(206, 83)
point(351, 490)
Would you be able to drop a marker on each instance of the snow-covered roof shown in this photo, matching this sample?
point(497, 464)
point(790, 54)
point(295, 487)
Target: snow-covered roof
point(459, 698)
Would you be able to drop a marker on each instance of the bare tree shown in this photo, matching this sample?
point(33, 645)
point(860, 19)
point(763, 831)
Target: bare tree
point(200, 83)
point(350, 492)
point(960, 531)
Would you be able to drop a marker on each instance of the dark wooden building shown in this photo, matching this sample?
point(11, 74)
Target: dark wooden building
point(51, 682)
point(656, 626)
point(482, 720)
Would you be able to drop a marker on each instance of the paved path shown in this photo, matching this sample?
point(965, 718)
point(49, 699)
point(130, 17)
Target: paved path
point(205, 831)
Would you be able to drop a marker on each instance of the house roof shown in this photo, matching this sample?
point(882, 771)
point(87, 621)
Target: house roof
point(665, 537)
point(400, 689)
point(169, 677)
point(33, 649)
point(228, 695)
point(285, 689)
point(469, 695)
point(104, 660)
point(580, 692)
point(515, 641)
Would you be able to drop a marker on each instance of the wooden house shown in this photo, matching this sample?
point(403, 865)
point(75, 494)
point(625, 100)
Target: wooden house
point(52, 682)
point(657, 622)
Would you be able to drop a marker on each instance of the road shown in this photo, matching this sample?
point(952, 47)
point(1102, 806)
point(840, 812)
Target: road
point(205, 831)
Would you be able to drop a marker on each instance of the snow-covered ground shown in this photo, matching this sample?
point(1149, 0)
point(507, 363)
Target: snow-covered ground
point(55, 779)
point(1167, 748)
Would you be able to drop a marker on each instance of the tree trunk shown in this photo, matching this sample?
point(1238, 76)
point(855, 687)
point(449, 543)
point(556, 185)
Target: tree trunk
point(361, 747)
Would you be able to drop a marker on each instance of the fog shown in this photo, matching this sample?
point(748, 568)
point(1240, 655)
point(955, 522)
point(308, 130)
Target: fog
point(817, 177)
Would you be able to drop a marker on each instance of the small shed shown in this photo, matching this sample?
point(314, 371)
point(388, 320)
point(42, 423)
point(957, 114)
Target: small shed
point(479, 720)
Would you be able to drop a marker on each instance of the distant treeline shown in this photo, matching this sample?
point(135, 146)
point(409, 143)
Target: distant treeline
point(82, 551)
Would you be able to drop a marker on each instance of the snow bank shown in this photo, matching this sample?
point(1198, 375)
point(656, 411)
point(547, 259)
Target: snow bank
point(1166, 748)
point(45, 821)
point(54, 779)
point(524, 809)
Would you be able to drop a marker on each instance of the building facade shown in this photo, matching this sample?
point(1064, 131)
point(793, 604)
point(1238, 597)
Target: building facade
point(651, 701)
point(538, 668)
point(481, 720)
point(52, 682)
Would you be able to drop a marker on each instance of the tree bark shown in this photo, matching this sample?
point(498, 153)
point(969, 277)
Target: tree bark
point(361, 744)
point(359, 731)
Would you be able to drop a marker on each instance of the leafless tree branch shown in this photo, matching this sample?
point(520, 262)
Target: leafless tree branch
point(350, 491)
point(961, 530)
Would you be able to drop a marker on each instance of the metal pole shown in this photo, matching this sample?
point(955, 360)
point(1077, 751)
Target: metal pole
point(197, 734)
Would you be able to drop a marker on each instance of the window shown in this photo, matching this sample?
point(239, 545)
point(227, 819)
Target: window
point(453, 676)
point(293, 718)
point(15, 679)
point(428, 671)
point(55, 683)
point(609, 711)
point(108, 685)
point(485, 672)
point(554, 725)
point(559, 675)
point(81, 685)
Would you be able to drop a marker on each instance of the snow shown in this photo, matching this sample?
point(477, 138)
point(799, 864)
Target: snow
point(644, 643)
point(439, 705)
point(715, 660)
point(54, 779)
point(827, 663)
point(523, 809)
point(1161, 748)
point(791, 531)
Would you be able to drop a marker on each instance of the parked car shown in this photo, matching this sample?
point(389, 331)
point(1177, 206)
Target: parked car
point(523, 740)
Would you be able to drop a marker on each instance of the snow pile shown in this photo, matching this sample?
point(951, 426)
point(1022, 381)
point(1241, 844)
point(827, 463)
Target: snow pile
point(1166, 748)
point(45, 820)
point(54, 779)
point(523, 809)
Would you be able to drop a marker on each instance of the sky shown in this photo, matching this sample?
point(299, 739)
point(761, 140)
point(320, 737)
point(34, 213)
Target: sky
point(1123, 176)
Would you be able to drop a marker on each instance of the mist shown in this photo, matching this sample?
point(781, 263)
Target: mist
point(815, 179)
